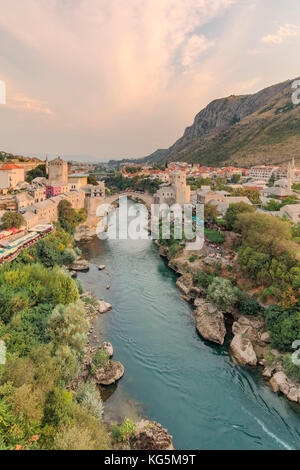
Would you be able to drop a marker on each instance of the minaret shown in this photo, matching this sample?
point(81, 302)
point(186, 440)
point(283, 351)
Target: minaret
point(47, 166)
point(289, 176)
point(293, 171)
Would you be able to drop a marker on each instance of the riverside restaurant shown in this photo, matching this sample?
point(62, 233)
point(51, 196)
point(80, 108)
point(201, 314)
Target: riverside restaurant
point(9, 250)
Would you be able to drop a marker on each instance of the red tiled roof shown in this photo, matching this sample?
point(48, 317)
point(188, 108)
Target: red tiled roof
point(10, 166)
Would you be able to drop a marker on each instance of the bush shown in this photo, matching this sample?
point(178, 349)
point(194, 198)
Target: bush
point(291, 369)
point(203, 279)
point(88, 397)
point(214, 236)
point(12, 220)
point(124, 432)
point(100, 359)
point(68, 257)
point(68, 326)
point(284, 326)
point(222, 293)
point(248, 305)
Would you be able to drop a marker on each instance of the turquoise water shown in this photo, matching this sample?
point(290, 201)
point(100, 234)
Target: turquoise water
point(172, 376)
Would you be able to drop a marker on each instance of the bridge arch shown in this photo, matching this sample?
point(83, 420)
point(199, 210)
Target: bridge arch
point(136, 196)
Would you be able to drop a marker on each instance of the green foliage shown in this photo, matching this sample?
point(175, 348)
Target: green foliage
point(68, 256)
point(48, 253)
point(211, 212)
point(38, 172)
point(292, 370)
point(284, 326)
point(267, 270)
point(12, 220)
point(222, 293)
point(44, 330)
point(214, 236)
point(204, 279)
point(124, 432)
point(88, 397)
point(57, 411)
point(248, 305)
point(67, 326)
point(117, 182)
point(234, 211)
point(264, 233)
point(273, 205)
point(100, 359)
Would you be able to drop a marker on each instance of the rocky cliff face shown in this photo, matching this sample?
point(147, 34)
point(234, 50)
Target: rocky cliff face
point(255, 128)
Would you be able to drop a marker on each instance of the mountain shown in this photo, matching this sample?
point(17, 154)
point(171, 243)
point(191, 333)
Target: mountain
point(242, 130)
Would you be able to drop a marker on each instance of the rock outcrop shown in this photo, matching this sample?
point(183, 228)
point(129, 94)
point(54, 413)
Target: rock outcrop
point(280, 383)
point(250, 327)
point(80, 265)
point(243, 351)
point(185, 283)
point(104, 307)
point(110, 374)
point(210, 322)
point(151, 436)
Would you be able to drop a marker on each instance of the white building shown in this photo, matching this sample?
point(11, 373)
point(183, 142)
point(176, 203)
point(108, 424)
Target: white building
point(10, 176)
point(262, 172)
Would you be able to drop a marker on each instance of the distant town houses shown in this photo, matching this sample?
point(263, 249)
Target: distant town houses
point(38, 200)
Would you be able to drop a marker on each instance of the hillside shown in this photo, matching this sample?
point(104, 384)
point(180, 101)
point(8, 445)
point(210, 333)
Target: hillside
point(260, 128)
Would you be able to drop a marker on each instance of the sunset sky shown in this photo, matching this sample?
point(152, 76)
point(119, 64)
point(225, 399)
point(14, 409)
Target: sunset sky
point(121, 78)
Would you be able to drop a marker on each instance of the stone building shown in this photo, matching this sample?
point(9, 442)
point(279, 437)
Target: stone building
point(46, 211)
point(10, 176)
point(58, 172)
point(176, 192)
point(94, 196)
point(77, 180)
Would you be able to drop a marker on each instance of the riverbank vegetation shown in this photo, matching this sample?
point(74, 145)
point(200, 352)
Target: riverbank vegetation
point(44, 329)
point(260, 277)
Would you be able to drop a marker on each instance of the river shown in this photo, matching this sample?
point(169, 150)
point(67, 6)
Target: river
point(191, 387)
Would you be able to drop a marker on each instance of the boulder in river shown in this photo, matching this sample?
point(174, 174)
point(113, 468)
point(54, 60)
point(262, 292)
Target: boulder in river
point(80, 265)
point(104, 307)
point(151, 436)
point(210, 322)
point(243, 351)
point(110, 373)
point(101, 267)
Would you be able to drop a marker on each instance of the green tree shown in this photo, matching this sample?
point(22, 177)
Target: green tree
point(12, 220)
point(68, 326)
point(264, 233)
point(48, 253)
point(234, 211)
point(222, 293)
point(38, 172)
point(210, 213)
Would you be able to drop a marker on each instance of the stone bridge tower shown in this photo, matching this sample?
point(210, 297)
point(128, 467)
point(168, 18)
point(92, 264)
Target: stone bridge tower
point(58, 171)
point(182, 191)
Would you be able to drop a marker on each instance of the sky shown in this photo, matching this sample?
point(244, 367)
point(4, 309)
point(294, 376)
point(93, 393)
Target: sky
point(120, 78)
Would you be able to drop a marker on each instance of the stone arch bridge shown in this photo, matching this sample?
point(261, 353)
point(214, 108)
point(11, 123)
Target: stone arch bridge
point(146, 198)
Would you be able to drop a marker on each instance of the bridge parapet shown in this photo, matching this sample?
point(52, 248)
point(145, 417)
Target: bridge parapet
point(146, 198)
